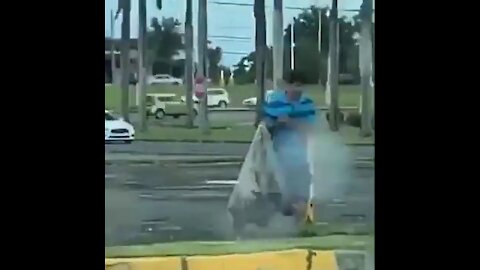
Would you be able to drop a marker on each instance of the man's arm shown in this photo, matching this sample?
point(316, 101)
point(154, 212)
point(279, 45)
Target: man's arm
point(304, 117)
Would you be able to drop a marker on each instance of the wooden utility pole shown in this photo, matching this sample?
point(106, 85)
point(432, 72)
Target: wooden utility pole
point(125, 57)
point(202, 66)
point(260, 49)
point(366, 67)
point(277, 42)
point(292, 45)
point(320, 46)
point(189, 63)
point(113, 65)
point(333, 67)
point(142, 76)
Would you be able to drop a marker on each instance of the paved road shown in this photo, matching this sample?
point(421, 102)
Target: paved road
point(138, 209)
point(230, 149)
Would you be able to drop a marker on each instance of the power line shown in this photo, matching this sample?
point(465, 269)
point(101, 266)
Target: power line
point(286, 7)
point(231, 37)
point(235, 53)
point(231, 40)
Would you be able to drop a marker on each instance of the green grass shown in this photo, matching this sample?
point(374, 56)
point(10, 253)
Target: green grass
point(346, 242)
point(349, 94)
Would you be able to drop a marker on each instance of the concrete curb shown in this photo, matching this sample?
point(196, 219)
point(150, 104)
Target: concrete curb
point(278, 260)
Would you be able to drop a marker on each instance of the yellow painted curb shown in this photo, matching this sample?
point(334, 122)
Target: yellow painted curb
point(278, 260)
point(154, 263)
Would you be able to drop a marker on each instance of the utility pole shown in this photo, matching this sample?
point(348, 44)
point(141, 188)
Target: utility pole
point(320, 46)
point(202, 52)
point(277, 42)
point(260, 48)
point(333, 67)
point(142, 76)
point(189, 62)
point(125, 57)
point(366, 67)
point(113, 65)
point(292, 45)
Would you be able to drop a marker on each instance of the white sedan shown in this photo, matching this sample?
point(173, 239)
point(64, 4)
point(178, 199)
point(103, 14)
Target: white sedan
point(164, 79)
point(118, 130)
point(253, 100)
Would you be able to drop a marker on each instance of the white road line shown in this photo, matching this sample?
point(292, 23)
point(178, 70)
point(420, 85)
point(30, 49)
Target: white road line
point(221, 182)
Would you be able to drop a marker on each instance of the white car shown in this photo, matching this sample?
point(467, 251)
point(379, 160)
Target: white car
point(166, 104)
point(164, 79)
point(217, 97)
point(118, 130)
point(253, 100)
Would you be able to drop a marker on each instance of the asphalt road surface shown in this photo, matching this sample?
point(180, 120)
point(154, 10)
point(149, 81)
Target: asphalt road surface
point(180, 148)
point(152, 203)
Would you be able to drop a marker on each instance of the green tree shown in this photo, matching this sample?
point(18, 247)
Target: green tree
point(245, 70)
point(163, 42)
point(306, 48)
point(214, 56)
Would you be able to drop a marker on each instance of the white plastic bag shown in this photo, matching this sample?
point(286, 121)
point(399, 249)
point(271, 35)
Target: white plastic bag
point(257, 193)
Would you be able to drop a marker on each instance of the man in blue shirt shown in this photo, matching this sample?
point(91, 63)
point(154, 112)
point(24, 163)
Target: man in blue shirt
point(289, 115)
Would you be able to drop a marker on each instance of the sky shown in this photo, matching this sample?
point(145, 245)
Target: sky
point(223, 20)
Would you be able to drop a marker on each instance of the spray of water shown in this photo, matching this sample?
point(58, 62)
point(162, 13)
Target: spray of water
point(332, 163)
point(332, 166)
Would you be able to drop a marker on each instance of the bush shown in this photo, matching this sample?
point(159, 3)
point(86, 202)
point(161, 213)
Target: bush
point(354, 119)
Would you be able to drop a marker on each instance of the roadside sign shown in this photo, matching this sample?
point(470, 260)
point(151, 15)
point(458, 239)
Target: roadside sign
point(200, 87)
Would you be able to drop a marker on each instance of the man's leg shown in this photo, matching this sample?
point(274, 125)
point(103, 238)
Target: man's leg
point(298, 192)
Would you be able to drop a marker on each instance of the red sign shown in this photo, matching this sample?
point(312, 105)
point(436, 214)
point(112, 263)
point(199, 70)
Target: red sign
point(200, 87)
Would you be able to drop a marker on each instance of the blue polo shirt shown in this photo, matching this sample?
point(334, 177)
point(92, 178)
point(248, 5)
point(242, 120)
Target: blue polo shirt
point(290, 144)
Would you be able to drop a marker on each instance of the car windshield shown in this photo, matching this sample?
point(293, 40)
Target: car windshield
point(109, 117)
point(182, 158)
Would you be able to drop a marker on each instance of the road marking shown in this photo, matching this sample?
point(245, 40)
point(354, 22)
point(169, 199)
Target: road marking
point(109, 176)
point(221, 182)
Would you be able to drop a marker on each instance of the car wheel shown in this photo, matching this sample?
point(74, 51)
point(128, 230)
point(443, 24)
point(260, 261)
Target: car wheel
point(159, 114)
point(222, 104)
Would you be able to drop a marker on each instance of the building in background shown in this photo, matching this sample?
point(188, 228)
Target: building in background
point(176, 68)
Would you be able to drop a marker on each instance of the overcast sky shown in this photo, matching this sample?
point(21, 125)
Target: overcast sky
point(223, 20)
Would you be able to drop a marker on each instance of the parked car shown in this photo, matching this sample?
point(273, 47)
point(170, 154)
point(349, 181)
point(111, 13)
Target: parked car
point(217, 97)
point(164, 79)
point(250, 102)
point(116, 129)
point(161, 105)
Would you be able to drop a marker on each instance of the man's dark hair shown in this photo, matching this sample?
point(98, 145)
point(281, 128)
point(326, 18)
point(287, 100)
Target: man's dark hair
point(294, 77)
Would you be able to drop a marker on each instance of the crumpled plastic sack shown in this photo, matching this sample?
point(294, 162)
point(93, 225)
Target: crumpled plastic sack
point(257, 195)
